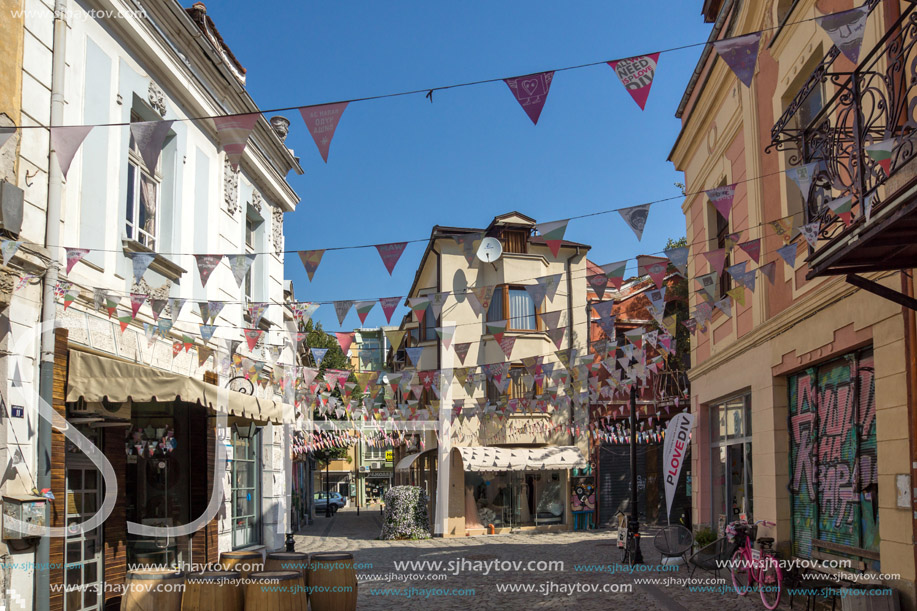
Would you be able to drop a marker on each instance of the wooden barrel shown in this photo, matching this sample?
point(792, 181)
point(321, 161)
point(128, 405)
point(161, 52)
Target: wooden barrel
point(244, 562)
point(213, 590)
point(288, 561)
point(332, 582)
point(153, 590)
point(276, 591)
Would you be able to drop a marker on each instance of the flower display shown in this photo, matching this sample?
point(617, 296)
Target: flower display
point(405, 515)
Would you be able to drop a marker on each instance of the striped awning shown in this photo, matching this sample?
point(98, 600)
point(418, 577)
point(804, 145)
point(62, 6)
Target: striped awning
point(488, 458)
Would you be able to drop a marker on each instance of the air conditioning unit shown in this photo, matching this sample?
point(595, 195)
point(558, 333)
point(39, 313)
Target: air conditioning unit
point(364, 469)
point(11, 198)
point(376, 465)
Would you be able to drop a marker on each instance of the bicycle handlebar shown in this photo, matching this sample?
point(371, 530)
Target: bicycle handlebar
point(766, 523)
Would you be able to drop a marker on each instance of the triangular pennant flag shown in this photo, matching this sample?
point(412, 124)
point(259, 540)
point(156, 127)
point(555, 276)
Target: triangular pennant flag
point(769, 270)
point(654, 267)
point(557, 335)
point(176, 348)
point(319, 355)
point(598, 283)
point(466, 242)
point(636, 74)
point(66, 141)
point(731, 240)
point(846, 30)
point(708, 283)
point(679, 258)
point(461, 351)
point(207, 332)
point(419, 306)
point(252, 336)
point(804, 175)
point(111, 305)
point(344, 340)
point(233, 132)
point(782, 228)
point(255, 312)
point(506, 344)
point(551, 319)
point(537, 292)
point(158, 305)
point(137, 300)
point(736, 271)
point(843, 207)
point(446, 333)
point(390, 254)
point(341, 308)
point(810, 233)
point(363, 308)
point(615, 273)
point(240, 264)
point(213, 310)
point(737, 294)
point(748, 279)
point(716, 259)
point(531, 92)
point(415, 353)
point(203, 353)
point(496, 328)
point(553, 234)
point(437, 301)
point(149, 136)
point(740, 54)
point(205, 266)
point(395, 337)
point(388, 306)
point(636, 217)
point(881, 152)
point(124, 322)
point(175, 306)
point(550, 283)
point(8, 248)
point(606, 320)
point(724, 306)
point(721, 198)
point(752, 248)
point(73, 256)
point(310, 260)
point(140, 261)
point(321, 121)
point(788, 254)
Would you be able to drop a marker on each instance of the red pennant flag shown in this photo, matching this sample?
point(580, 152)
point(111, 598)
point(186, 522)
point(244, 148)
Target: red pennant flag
point(531, 92)
point(654, 267)
point(321, 122)
point(344, 340)
point(388, 306)
point(636, 74)
point(233, 134)
point(205, 266)
point(176, 348)
point(390, 254)
point(252, 336)
point(721, 198)
point(137, 300)
point(310, 260)
point(74, 255)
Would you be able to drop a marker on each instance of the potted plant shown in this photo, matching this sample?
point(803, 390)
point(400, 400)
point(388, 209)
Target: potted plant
point(703, 536)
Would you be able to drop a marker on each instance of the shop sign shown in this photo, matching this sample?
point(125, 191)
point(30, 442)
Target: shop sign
point(389, 455)
point(379, 474)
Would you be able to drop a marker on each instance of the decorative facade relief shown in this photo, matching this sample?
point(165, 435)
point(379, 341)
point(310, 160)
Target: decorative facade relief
point(230, 187)
point(257, 200)
point(277, 229)
point(157, 98)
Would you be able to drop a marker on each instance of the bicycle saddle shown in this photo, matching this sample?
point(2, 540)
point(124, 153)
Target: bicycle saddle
point(768, 541)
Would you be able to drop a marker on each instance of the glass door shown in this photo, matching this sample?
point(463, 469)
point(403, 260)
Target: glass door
point(83, 551)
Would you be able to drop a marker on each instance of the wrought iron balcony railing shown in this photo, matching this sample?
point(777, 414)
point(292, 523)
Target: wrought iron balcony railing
point(875, 102)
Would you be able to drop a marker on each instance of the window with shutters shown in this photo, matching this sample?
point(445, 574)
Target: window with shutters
point(515, 240)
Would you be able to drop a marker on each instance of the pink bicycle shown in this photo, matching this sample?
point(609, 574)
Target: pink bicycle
point(749, 565)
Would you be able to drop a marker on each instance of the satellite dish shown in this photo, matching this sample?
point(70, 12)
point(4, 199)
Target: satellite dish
point(490, 250)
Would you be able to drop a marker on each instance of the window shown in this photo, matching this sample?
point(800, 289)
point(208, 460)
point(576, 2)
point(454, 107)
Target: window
point(514, 305)
point(515, 240)
point(722, 230)
point(251, 240)
point(731, 456)
point(142, 205)
point(246, 491)
point(428, 329)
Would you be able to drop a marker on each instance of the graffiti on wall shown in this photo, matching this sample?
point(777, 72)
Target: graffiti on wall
point(833, 471)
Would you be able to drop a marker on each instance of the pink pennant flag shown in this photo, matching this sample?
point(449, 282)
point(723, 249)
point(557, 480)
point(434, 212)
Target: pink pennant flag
point(321, 122)
point(531, 92)
point(66, 141)
point(74, 255)
point(721, 198)
point(252, 336)
point(389, 304)
point(752, 248)
point(390, 254)
point(205, 266)
point(310, 260)
point(137, 300)
point(233, 133)
point(717, 259)
point(636, 74)
point(506, 344)
point(344, 339)
point(654, 267)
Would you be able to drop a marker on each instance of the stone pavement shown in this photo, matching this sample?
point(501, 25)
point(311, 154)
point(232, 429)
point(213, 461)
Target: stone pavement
point(463, 586)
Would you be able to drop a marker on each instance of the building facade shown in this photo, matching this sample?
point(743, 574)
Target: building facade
point(802, 396)
point(135, 373)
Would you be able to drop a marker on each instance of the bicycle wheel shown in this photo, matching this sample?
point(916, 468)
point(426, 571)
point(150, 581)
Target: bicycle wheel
point(771, 578)
point(740, 570)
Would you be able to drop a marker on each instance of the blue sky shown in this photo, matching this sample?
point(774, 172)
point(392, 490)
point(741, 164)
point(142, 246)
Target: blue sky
point(399, 166)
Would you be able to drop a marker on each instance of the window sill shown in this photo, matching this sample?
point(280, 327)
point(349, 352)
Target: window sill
point(160, 264)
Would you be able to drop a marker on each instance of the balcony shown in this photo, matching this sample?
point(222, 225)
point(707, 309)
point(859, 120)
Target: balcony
point(875, 103)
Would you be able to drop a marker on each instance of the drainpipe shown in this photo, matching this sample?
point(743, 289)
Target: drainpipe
point(570, 328)
point(48, 308)
point(910, 345)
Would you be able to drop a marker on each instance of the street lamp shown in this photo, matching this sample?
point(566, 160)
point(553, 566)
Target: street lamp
point(327, 491)
point(632, 553)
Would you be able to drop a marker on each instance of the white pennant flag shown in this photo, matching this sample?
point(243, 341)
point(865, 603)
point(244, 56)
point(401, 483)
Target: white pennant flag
point(66, 142)
point(636, 217)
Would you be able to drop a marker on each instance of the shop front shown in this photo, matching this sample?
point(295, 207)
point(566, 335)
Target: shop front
point(376, 483)
point(513, 488)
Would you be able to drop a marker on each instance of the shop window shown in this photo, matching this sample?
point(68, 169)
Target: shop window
point(508, 499)
point(731, 459)
point(246, 490)
point(515, 240)
point(834, 482)
point(514, 305)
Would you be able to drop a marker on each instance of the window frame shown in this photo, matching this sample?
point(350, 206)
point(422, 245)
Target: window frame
point(136, 171)
point(505, 290)
point(515, 241)
point(255, 462)
point(722, 231)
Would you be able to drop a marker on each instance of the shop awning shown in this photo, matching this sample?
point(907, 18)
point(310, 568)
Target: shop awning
point(485, 458)
point(97, 378)
point(405, 463)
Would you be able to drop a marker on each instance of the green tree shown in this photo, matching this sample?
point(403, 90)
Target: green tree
point(677, 305)
point(324, 456)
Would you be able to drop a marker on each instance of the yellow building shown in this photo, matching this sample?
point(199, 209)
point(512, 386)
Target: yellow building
point(802, 394)
point(503, 446)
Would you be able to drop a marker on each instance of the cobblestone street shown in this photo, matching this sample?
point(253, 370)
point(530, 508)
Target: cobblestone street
point(382, 586)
